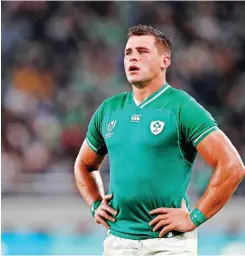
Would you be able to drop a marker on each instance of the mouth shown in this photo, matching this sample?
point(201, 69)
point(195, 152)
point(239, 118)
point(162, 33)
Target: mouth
point(133, 68)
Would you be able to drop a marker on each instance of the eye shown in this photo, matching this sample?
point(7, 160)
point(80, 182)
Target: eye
point(143, 51)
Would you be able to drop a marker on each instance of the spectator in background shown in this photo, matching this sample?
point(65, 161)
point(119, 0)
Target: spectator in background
point(50, 72)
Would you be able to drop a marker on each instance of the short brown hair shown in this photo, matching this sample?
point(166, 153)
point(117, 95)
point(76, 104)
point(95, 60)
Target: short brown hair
point(145, 30)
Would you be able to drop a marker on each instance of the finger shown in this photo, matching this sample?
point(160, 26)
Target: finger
point(160, 210)
point(108, 197)
point(157, 219)
point(105, 215)
point(160, 224)
point(99, 220)
point(165, 230)
point(109, 209)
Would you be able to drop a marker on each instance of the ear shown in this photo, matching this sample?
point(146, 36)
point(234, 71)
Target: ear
point(165, 62)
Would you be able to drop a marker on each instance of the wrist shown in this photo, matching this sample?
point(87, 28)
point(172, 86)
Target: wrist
point(94, 206)
point(197, 217)
point(188, 218)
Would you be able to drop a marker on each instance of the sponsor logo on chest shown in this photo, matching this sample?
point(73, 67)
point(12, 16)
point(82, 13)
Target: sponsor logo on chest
point(135, 118)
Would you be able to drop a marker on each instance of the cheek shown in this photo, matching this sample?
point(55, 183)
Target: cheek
point(151, 65)
point(125, 62)
point(155, 65)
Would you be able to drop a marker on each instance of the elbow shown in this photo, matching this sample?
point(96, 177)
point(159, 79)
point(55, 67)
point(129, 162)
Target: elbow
point(79, 173)
point(241, 173)
point(81, 169)
point(237, 173)
point(228, 174)
point(76, 165)
point(78, 168)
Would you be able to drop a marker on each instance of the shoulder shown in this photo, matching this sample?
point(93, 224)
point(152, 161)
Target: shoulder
point(109, 104)
point(180, 96)
point(185, 104)
point(116, 100)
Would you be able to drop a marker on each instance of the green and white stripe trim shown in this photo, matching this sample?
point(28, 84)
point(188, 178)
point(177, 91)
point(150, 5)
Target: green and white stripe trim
point(204, 134)
point(91, 145)
point(156, 96)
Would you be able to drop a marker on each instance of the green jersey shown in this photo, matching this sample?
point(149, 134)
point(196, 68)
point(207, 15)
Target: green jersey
point(151, 148)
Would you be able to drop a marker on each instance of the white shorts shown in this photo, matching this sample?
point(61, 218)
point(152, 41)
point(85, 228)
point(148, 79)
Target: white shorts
point(182, 245)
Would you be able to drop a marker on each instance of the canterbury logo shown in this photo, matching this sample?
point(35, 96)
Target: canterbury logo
point(135, 118)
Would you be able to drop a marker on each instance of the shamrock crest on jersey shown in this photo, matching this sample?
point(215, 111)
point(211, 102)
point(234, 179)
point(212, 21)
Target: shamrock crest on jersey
point(157, 127)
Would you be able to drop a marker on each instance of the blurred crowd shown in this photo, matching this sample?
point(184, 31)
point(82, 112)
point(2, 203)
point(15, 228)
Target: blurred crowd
point(61, 59)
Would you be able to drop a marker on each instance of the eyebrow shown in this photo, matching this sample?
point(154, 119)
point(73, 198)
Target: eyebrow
point(138, 48)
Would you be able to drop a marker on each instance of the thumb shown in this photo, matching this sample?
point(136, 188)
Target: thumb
point(108, 197)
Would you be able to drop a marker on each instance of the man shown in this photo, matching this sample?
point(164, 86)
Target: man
point(152, 136)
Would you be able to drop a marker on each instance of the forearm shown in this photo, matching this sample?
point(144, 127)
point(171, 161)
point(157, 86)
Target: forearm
point(89, 183)
point(221, 187)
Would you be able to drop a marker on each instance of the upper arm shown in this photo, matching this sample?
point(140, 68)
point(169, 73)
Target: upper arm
point(94, 136)
point(89, 158)
point(195, 122)
point(216, 148)
point(93, 149)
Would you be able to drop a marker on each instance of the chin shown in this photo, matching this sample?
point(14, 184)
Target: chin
point(134, 80)
point(137, 82)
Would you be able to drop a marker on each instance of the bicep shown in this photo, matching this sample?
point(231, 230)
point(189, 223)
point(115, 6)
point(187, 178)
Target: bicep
point(88, 157)
point(216, 148)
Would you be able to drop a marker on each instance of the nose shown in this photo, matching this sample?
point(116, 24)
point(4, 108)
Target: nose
point(134, 57)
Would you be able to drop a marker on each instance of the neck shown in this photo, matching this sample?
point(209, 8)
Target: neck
point(142, 93)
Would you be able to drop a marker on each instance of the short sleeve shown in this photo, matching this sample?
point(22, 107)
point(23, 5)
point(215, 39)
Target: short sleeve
point(94, 137)
point(195, 121)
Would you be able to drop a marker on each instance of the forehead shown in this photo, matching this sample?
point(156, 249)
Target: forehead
point(141, 41)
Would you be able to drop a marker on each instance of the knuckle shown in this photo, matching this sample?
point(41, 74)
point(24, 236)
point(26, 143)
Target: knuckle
point(162, 217)
point(107, 215)
point(157, 226)
point(98, 213)
point(102, 206)
point(102, 214)
point(157, 218)
point(107, 208)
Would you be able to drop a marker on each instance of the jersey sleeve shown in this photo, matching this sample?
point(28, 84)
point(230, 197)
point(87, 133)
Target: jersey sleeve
point(196, 122)
point(94, 136)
